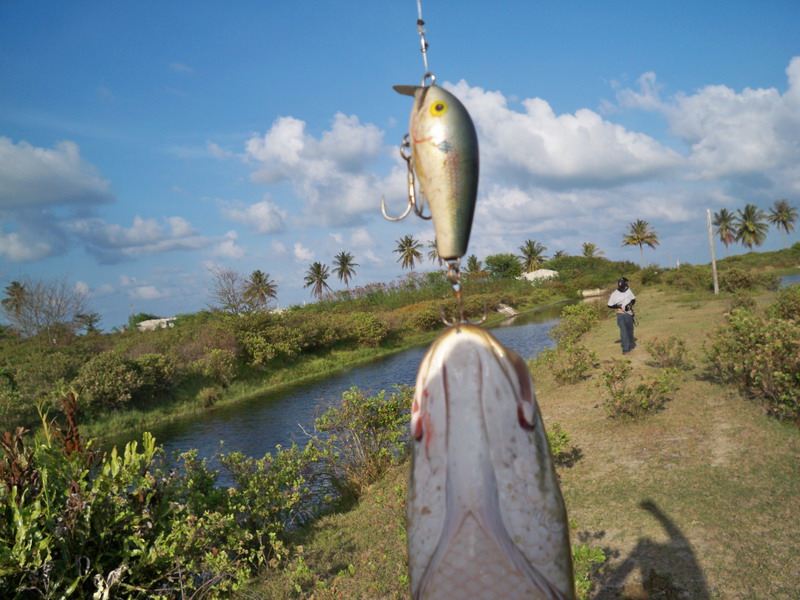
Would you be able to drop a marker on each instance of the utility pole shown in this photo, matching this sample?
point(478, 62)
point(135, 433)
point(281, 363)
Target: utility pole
point(713, 254)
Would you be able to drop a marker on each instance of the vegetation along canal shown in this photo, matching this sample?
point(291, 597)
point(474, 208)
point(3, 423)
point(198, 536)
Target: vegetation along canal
point(254, 427)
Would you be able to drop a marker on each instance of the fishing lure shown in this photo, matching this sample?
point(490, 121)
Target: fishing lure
point(486, 518)
point(444, 156)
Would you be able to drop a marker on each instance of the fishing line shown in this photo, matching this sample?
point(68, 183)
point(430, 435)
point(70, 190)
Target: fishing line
point(422, 42)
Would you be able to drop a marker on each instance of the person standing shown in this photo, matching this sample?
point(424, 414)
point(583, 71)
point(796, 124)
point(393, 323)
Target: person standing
point(622, 300)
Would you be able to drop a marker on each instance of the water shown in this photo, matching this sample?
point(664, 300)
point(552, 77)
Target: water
point(254, 427)
point(788, 280)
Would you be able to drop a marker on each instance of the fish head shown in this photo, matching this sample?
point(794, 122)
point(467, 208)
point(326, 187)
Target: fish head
point(483, 482)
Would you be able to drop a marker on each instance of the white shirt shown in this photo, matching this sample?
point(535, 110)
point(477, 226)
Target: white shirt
point(622, 299)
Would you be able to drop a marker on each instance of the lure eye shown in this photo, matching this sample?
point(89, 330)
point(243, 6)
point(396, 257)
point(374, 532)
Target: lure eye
point(438, 108)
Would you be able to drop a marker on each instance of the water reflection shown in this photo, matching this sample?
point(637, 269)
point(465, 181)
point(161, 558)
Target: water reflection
point(254, 427)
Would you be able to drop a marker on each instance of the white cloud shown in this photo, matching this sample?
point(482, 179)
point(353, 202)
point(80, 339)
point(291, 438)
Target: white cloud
point(261, 217)
point(278, 248)
point(732, 134)
point(361, 238)
point(328, 173)
point(17, 248)
point(538, 147)
point(48, 177)
point(147, 292)
point(228, 248)
point(302, 253)
point(112, 243)
point(217, 152)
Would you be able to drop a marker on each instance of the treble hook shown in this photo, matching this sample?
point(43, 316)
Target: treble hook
point(418, 207)
point(454, 277)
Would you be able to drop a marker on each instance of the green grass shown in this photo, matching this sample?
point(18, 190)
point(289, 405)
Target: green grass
point(698, 500)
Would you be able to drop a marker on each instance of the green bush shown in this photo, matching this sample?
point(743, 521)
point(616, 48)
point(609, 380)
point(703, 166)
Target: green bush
point(741, 300)
point(78, 524)
point(362, 437)
point(504, 266)
point(158, 372)
point(366, 329)
point(689, 277)
point(219, 365)
point(572, 363)
point(626, 402)
point(762, 357)
point(786, 304)
point(669, 353)
point(427, 318)
point(209, 396)
point(108, 380)
point(576, 319)
point(650, 275)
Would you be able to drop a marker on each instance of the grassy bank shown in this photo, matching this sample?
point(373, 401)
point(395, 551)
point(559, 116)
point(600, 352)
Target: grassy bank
point(698, 500)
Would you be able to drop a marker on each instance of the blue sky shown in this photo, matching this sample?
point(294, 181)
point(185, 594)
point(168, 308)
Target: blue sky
point(143, 143)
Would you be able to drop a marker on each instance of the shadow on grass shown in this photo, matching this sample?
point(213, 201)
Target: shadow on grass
point(669, 570)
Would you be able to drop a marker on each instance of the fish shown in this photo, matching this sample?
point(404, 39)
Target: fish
point(485, 514)
point(444, 150)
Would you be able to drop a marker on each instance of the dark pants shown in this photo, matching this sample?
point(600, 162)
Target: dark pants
point(625, 322)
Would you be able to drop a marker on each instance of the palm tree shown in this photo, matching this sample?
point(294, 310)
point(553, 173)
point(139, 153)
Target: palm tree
point(316, 276)
point(433, 252)
point(591, 250)
point(408, 249)
point(343, 267)
point(259, 289)
point(473, 264)
point(783, 215)
point(532, 255)
point(560, 254)
point(640, 235)
point(751, 230)
point(15, 299)
point(724, 222)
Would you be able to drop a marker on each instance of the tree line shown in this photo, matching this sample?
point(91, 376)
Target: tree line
point(55, 308)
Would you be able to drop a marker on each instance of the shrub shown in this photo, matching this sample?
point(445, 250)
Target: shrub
point(158, 373)
point(503, 265)
point(734, 280)
point(219, 366)
point(209, 396)
point(362, 437)
point(366, 328)
point(78, 524)
point(571, 363)
point(585, 560)
point(762, 357)
point(741, 300)
point(689, 277)
point(786, 304)
point(650, 275)
point(669, 353)
point(427, 318)
point(634, 403)
point(108, 380)
point(576, 319)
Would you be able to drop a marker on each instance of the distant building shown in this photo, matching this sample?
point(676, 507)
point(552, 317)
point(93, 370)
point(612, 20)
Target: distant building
point(539, 275)
point(153, 324)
